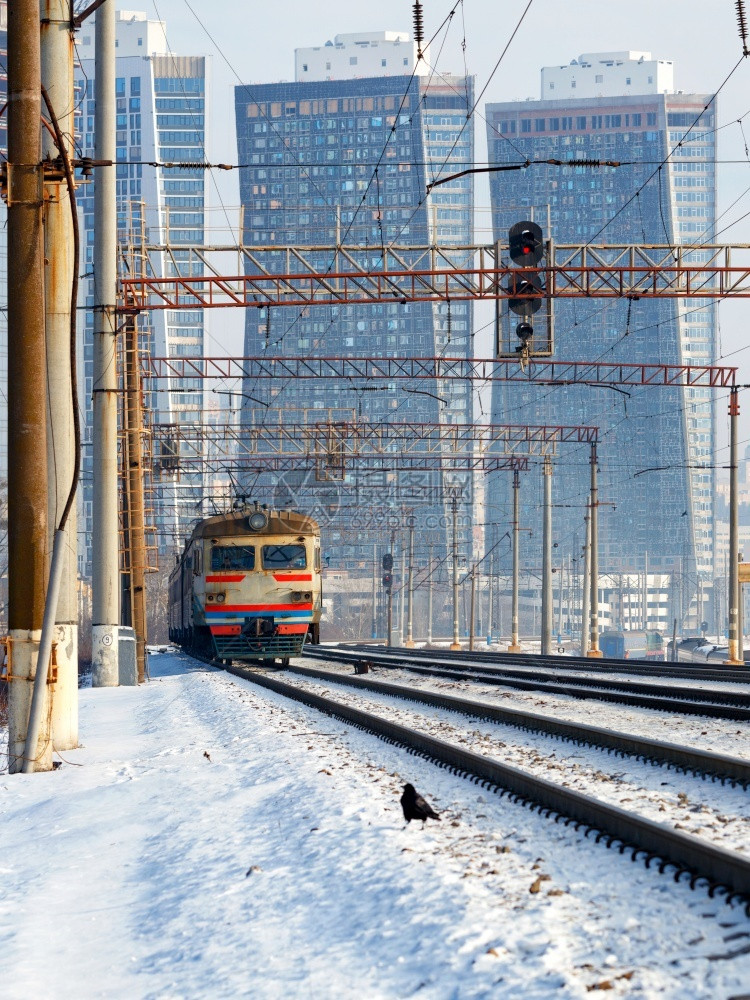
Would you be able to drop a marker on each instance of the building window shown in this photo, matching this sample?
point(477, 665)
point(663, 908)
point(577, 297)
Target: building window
point(406, 61)
point(599, 78)
point(383, 62)
point(552, 85)
point(627, 81)
point(140, 41)
point(304, 67)
point(328, 65)
point(572, 84)
point(352, 60)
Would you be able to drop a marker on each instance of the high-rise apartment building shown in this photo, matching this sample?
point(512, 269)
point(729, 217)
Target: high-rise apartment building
point(162, 109)
point(344, 155)
point(656, 445)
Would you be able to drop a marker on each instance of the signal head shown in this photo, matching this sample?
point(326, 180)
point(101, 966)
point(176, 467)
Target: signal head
point(526, 244)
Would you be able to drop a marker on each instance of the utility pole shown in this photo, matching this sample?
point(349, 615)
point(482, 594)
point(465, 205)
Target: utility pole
point(429, 595)
point(471, 608)
point(594, 650)
point(586, 597)
point(489, 600)
point(28, 539)
point(645, 591)
point(374, 592)
point(59, 269)
point(105, 612)
point(410, 595)
point(735, 594)
point(546, 630)
point(136, 497)
point(514, 646)
point(389, 591)
point(455, 644)
point(401, 596)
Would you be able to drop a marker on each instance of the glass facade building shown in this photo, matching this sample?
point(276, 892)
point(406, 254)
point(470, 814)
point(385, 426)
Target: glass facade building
point(161, 113)
point(348, 161)
point(656, 445)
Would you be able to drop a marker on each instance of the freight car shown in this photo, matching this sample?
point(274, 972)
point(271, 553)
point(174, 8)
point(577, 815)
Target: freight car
point(247, 586)
point(632, 645)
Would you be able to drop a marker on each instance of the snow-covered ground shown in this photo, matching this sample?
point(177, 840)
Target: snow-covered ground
point(210, 839)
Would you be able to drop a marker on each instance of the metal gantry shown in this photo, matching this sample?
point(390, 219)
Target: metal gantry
point(366, 369)
point(347, 275)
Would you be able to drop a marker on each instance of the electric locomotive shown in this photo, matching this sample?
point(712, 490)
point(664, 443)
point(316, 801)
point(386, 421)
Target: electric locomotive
point(247, 586)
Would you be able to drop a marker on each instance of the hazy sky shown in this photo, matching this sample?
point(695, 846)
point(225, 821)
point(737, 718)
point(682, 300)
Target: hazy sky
point(254, 43)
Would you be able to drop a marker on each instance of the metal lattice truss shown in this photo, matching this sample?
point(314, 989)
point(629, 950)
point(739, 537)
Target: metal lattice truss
point(462, 369)
point(337, 443)
point(212, 277)
point(332, 468)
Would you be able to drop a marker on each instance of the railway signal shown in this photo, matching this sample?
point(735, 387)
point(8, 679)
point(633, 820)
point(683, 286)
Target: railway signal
point(525, 291)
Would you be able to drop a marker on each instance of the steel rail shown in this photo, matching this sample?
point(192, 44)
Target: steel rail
point(719, 867)
point(725, 705)
point(719, 767)
point(657, 668)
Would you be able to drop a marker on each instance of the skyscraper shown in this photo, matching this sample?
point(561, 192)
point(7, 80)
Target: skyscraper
point(657, 445)
point(344, 155)
point(162, 104)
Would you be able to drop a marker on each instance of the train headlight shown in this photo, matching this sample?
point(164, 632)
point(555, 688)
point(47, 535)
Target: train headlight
point(257, 521)
point(220, 598)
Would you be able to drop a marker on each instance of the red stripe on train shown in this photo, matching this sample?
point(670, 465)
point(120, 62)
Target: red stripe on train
point(225, 579)
point(258, 607)
point(295, 577)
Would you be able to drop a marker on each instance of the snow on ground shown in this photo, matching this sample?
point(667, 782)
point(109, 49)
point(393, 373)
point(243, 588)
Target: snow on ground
point(717, 735)
point(209, 839)
point(702, 807)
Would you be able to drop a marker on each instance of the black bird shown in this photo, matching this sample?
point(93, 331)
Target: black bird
point(415, 807)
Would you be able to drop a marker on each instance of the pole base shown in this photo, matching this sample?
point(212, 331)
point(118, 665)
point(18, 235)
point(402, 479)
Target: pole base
point(733, 663)
point(514, 648)
point(65, 701)
point(25, 650)
point(595, 654)
point(409, 644)
point(105, 655)
point(455, 647)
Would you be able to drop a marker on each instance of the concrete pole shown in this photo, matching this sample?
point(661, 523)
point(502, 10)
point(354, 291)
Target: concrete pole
point(389, 640)
point(585, 611)
point(374, 592)
point(489, 600)
point(546, 640)
point(594, 650)
point(514, 646)
point(28, 539)
point(734, 567)
point(410, 594)
point(402, 597)
point(105, 612)
point(57, 78)
point(429, 594)
point(471, 608)
point(645, 591)
point(136, 498)
point(455, 644)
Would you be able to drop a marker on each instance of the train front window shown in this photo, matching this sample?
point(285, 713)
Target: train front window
point(284, 557)
point(232, 557)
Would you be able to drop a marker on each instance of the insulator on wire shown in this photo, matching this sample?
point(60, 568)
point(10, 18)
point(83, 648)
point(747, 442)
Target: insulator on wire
point(742, 25)
point(418, 27)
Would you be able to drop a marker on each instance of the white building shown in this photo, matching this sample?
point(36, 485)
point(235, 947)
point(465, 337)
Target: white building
point(349, 57)
point(161, 116)
point(608, 74)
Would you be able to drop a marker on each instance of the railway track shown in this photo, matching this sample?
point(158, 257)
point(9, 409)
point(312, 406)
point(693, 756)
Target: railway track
point(718, 767)
point(664, 697)
point(690, 857)
point(655, 668)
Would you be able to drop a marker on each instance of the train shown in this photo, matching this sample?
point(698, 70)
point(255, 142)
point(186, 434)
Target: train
point(247, 586)
point(699, 650)
point(632, 645)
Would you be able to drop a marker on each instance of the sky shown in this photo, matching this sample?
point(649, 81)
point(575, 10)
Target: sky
point(254, 43)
